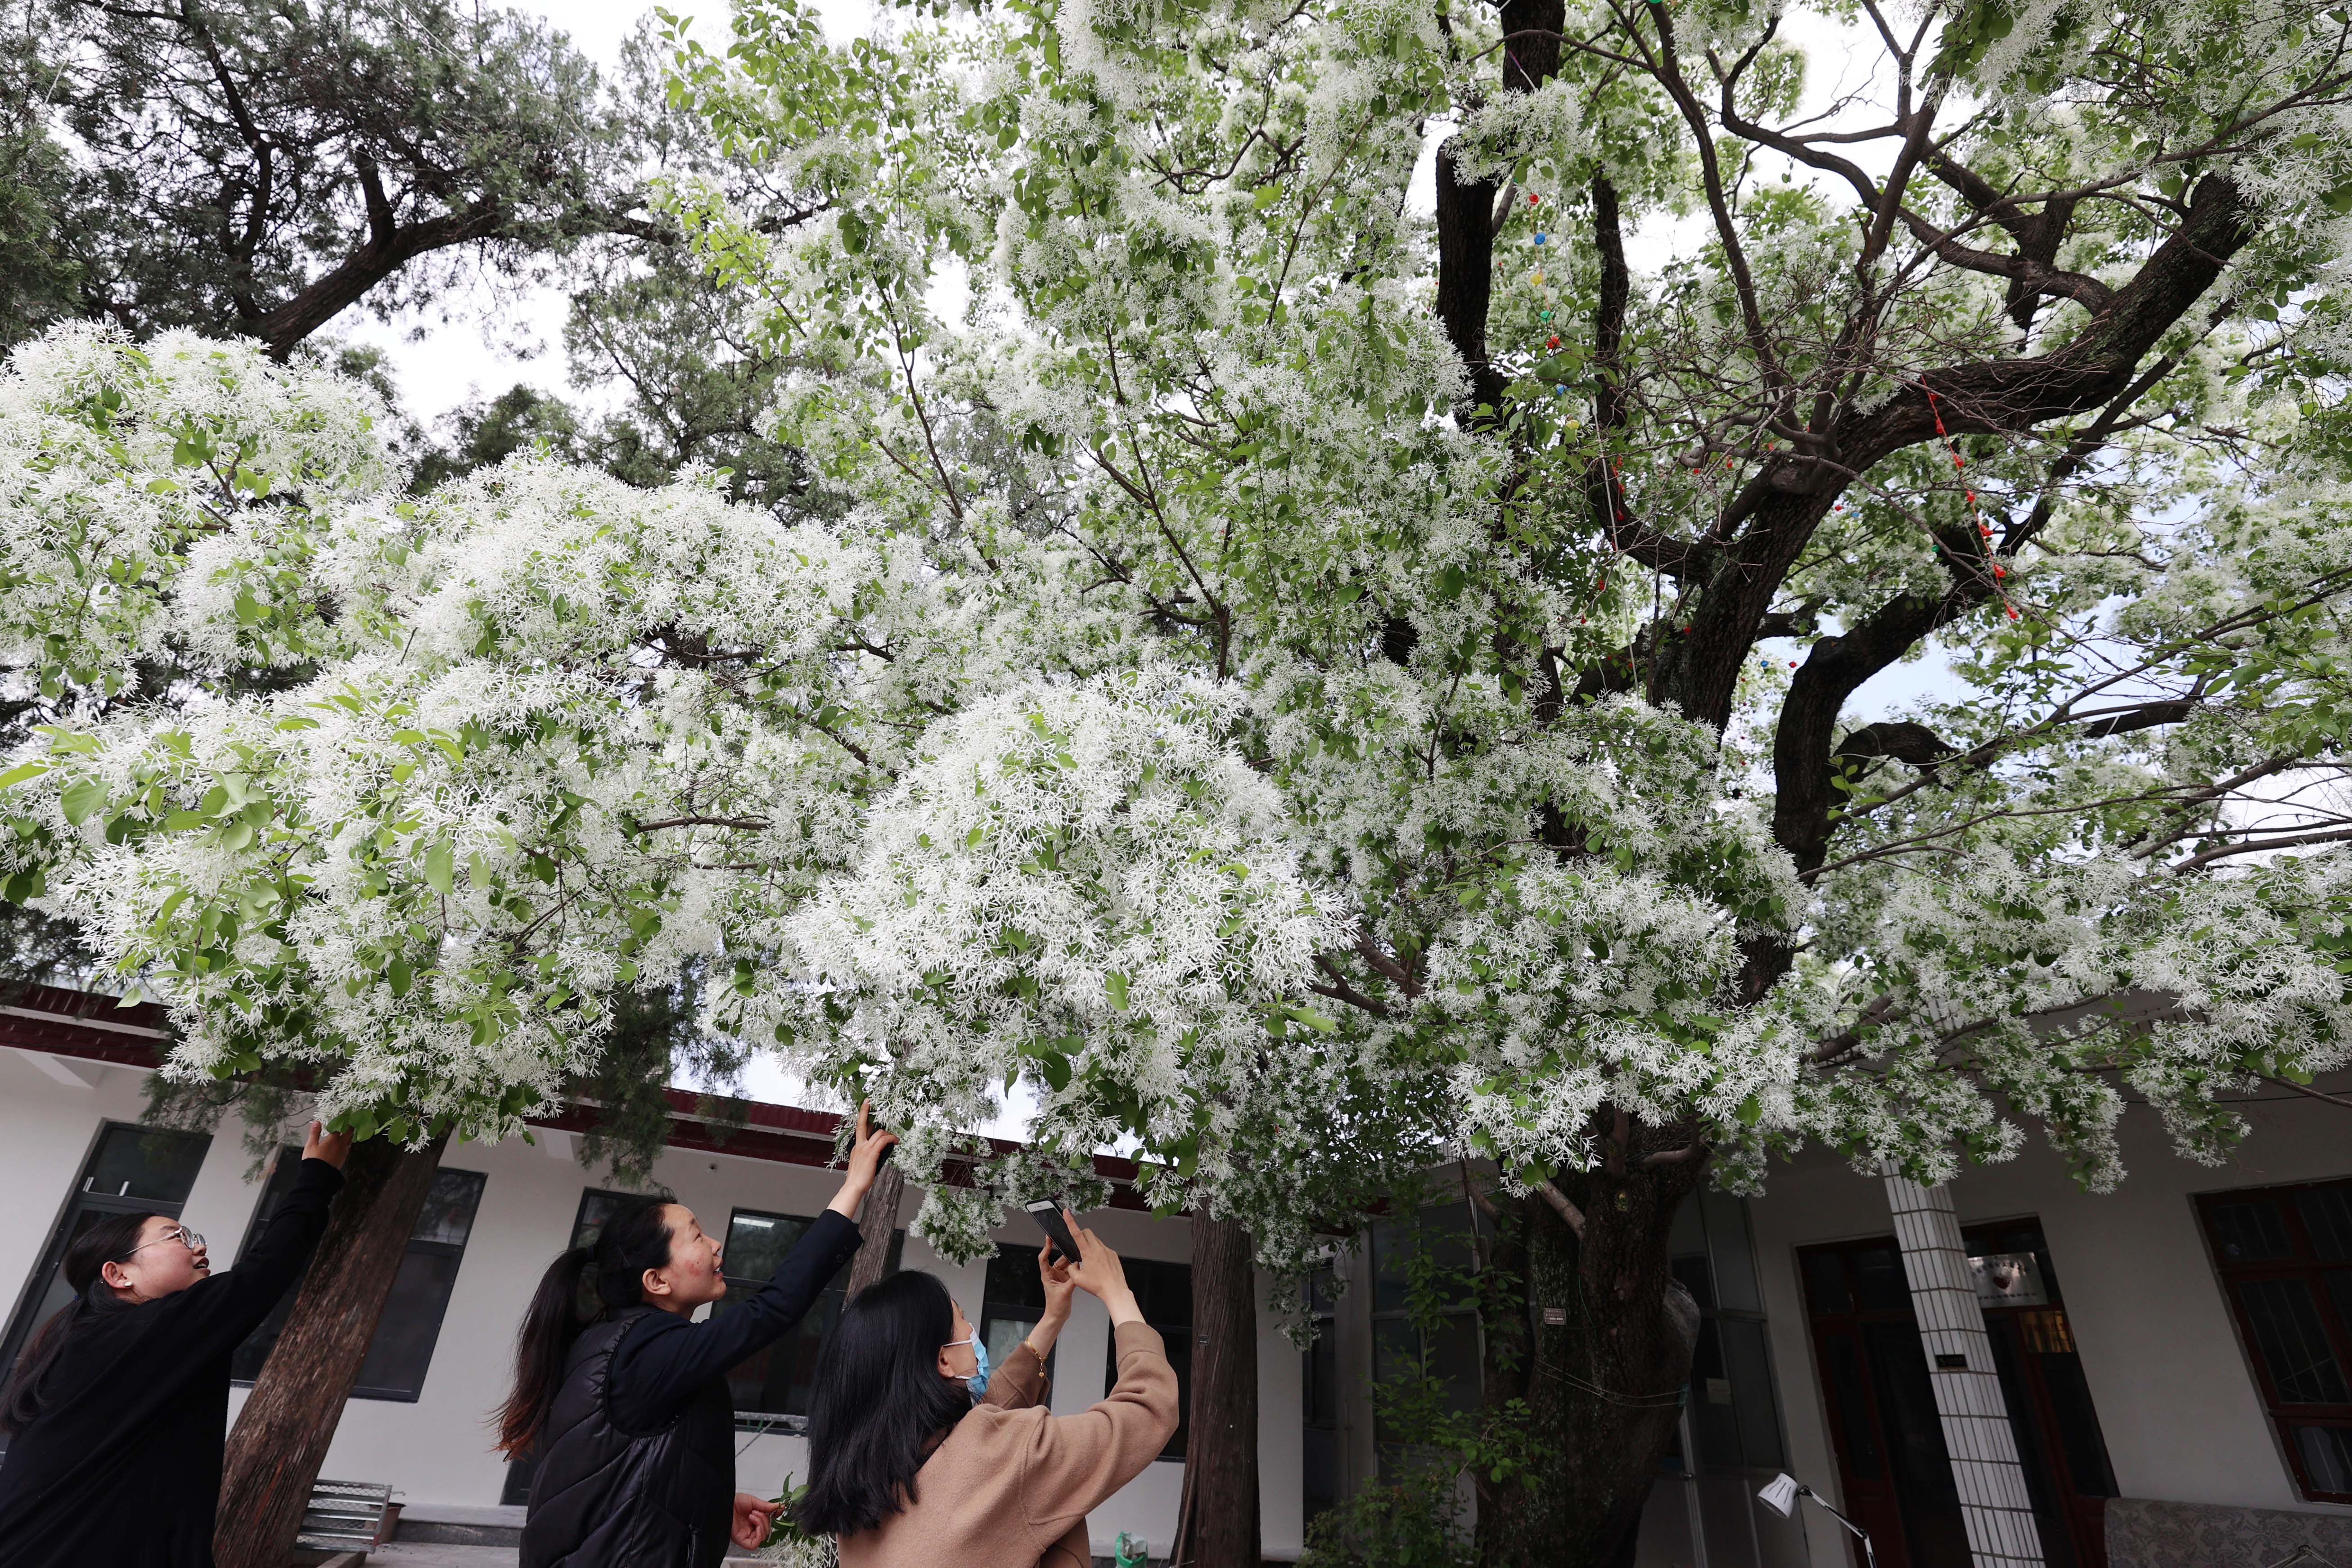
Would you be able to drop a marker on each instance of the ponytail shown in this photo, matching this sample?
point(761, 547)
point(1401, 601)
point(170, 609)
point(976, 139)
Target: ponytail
point(110, 1240)
point(633, 1240)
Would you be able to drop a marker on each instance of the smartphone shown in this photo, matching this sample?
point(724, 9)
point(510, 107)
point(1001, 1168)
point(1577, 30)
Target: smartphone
point(1048, 1216)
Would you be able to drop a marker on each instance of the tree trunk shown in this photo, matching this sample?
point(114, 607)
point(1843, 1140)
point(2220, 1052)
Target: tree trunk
point(1217, 1524)
point(1603, 1335)
point(282, 1434)
point(875, 1227)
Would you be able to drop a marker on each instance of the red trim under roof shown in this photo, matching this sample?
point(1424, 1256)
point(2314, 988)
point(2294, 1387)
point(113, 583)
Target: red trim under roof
point(91, 1027)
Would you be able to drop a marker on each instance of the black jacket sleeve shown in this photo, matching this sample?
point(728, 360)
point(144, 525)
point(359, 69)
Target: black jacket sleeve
point(664, 1358)
point(212, 1316)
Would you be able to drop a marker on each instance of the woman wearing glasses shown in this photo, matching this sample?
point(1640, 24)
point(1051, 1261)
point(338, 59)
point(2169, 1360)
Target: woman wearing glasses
point(118, 1410)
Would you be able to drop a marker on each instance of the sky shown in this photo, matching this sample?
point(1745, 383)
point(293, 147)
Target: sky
point(471, 349)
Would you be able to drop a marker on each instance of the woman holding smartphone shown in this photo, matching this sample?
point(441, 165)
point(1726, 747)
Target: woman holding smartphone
point(628, 1410)
point(920, 1453)
point(118, 1410)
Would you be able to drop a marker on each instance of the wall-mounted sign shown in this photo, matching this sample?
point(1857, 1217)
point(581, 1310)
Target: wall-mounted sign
point(2009, 1279)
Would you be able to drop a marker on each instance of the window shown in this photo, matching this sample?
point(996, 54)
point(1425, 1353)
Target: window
point(1164, 1291)
point(1421, 1271)
point(598, 1205)
point(131, 1170)
point(1011, 1303)
point(1735, 1418)
point(1319, 1397)
point(2284, 1256)
point(770, 1388)
point(402, 1350)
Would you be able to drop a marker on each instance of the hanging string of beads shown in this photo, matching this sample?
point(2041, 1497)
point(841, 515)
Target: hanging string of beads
point(1960, 466)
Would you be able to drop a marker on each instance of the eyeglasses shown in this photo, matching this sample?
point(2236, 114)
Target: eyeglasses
point(179, 1233)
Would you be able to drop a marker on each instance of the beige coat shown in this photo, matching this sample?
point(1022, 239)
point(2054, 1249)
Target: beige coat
point(1012, 1484)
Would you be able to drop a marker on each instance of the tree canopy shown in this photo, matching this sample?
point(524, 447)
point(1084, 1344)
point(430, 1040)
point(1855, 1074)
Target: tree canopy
point(1236, 699)
point(1311, 677)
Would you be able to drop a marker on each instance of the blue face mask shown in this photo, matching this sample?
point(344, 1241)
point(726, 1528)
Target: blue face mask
point(978, 1380)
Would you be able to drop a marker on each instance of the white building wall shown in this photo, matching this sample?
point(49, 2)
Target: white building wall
point(2177, 1401)
point(438, 1450)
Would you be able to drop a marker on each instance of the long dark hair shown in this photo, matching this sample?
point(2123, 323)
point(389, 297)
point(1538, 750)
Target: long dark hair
point(879, 1399)
point(634, 1239)
point(110, 1240)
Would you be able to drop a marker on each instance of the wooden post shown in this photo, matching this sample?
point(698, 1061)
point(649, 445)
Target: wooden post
point(282, 1433)
point(1217, 1524)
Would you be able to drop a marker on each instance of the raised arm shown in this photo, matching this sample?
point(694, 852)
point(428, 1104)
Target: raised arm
point(215, 1314)
point(660, 1364)
point(1075, 1462)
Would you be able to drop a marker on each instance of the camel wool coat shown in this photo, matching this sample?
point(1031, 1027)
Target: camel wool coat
point(1012, 1484)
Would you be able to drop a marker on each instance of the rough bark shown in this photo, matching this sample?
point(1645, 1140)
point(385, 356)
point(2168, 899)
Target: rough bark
point(1217, 1525)
point(1603, 1387)
point(875, 1229)
point(282, 1434)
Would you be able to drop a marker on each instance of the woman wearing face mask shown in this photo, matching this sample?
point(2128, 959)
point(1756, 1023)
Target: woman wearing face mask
point(629, 1413)
point(908, 1472)
point(118, 1409)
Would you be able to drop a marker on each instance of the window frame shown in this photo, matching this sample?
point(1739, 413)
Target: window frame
point(1016, 1311)
point(2303, 1265)
point(264, 1210)
point(835, 1294)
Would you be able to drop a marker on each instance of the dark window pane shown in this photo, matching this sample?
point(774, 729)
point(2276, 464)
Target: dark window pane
point(757, 1243)
point(1825, 1289)
point(2327, 1454)
point(772, 1386)
point(1013, 1300)
point(2078, 1424)
point(1850, 1407)
point(2328, 1215)
point(1012, 1279)
point(144, 1163)
point(1696, 1278)
point(1454, 1361)
point(1320, 1373)
point(2284, 1319)
point(1164, 1292)
point(596, 1206)
point(448, 1217)
point(1915, 1440)
point(2249, 1232)
point(402, 1350)
point(1746, 1363)
point(1878, 1282)
point(777, 1381)
point(1727, 1245)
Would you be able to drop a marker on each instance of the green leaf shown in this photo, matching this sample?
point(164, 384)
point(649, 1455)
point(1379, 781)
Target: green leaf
point(1116, 983)
point(80, 798)
point(22, 772)
point(441, 867)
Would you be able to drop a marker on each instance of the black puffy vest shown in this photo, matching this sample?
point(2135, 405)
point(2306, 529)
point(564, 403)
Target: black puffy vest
point(603, 1498)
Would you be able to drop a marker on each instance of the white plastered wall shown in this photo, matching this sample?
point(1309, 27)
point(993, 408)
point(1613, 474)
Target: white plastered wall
point(2177, 1403)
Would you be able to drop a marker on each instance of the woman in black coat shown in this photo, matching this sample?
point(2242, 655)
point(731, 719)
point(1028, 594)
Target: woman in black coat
point(118, 1409)
point(628, 1410)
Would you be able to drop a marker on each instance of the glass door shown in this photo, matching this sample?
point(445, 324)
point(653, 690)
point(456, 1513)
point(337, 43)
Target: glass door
point(1876, 1384)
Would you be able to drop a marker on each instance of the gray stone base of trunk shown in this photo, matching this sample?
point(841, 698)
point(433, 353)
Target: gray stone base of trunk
point(2145, 1534)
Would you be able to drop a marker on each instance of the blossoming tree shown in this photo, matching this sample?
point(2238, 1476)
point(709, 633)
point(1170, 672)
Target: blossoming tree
point(1315, 684)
